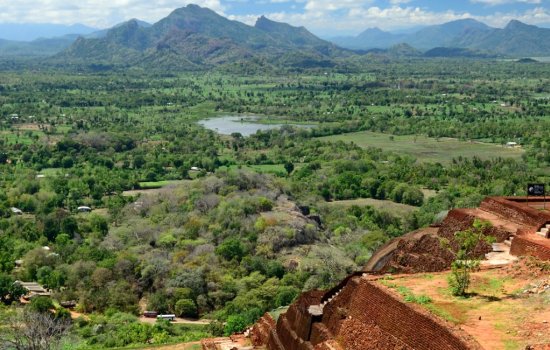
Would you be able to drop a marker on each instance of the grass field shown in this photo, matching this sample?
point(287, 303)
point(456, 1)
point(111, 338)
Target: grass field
point(275, 169)
point(159, 184)
point(392, 207)
point(427, 149)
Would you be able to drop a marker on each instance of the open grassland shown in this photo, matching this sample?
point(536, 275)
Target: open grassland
point(427, 149)
point(385, 205)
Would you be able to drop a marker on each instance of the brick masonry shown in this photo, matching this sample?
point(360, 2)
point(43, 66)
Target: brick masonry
point(523, 245)
point(366, 315)
point(514, 209)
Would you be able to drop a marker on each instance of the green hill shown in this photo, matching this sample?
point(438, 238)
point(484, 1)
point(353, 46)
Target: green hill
point(193, 37)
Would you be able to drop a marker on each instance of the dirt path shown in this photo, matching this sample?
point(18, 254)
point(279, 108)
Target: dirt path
point(184, 346)
point(177, 321)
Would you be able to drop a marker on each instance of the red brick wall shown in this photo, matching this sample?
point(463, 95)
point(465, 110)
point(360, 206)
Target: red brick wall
point(320, 333)
point(412, 326)
point(261, 330)
point(365, 315)
point(328, 345)
point(522, 246)
point(288, 337)
point(516, 212)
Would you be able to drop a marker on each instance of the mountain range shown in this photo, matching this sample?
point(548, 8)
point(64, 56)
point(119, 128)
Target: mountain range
point(517, 39)
point(194, 37)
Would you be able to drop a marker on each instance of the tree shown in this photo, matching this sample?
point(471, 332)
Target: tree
point(235, 324)
point(33, 331)
point(231, 249)
point(9, 290)
point(289, 167)
point(466, 257)
point(41, 304)
point(186, 308)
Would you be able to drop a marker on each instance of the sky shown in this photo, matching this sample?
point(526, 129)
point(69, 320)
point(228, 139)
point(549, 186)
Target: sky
point(322, 17)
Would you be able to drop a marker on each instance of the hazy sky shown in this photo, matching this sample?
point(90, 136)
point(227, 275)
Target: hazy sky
point(324, 17)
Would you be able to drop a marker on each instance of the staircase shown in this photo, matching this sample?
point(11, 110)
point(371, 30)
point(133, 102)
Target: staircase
point(543, 232)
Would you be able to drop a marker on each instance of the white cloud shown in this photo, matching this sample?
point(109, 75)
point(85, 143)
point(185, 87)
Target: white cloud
point(502, 2)
point(324, 17)
point(352, 17)
point(98, 13)
point(398, 2)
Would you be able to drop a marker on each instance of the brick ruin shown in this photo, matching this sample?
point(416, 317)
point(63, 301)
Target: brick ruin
point(360, 313)
point(519, 224)
point(363, 314)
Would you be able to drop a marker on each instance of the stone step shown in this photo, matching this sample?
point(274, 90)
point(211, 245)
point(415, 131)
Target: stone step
point(500, 247)
point(544, 230)
point(541, 234)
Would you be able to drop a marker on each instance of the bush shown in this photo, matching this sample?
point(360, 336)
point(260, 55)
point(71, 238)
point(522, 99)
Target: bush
point(216, 328)
point(235, 324)
point(286, 296)
point(186, 308)
point(231, 249)
point(41, 304)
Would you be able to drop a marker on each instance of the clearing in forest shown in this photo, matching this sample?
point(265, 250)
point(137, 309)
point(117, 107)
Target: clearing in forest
point(427, 149)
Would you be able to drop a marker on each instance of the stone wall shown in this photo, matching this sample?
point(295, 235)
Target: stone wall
point(522, 246)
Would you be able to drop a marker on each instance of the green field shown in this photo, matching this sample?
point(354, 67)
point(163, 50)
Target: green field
point(158, 184)
point(385, 205)
point(428, 149)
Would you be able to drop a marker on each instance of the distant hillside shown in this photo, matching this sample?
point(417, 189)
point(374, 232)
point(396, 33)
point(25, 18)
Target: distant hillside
point(32, 31)
point(370, 39)
point(516, 39)
point(197, 37)
point(457, 52)
point(39, 47)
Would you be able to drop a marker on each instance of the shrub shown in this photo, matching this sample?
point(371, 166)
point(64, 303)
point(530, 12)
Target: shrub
point(41, 304)
point(186, 308)
point(235, 324)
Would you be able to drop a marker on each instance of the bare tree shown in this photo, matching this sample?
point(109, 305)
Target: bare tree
point(33, 331)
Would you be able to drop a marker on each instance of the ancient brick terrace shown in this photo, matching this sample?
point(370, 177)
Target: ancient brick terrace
point(361, 314)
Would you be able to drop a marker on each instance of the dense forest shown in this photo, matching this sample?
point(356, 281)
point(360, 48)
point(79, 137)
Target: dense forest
point(188, 221)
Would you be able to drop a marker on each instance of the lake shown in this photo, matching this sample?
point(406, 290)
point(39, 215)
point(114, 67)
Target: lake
point(244, 125)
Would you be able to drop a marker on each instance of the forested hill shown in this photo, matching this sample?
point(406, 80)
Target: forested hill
point(193, 37)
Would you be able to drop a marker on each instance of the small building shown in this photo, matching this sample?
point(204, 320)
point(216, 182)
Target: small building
point(34, 290)
point(16, 211)
point(40, 176)
point(84, 209)
point(512, 144)
point(194, 168)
